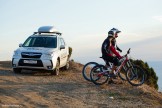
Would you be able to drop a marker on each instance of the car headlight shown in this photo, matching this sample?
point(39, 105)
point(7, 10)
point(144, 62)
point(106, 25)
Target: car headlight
point(16, 53)
point(48, 55)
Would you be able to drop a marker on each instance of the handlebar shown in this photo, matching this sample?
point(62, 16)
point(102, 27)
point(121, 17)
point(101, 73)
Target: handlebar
point(128, 51)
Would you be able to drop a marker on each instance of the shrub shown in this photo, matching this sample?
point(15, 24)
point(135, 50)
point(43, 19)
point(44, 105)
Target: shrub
point(70, 51)
point(151, 77)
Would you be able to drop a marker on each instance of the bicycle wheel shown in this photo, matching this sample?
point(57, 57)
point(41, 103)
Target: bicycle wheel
point(87, 69)
point(135, 75)
point(96, 76)
point(122, 74)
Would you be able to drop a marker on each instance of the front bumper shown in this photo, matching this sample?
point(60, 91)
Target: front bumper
point(32, 64)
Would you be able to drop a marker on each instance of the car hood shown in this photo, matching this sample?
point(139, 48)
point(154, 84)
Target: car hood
point(36, 49)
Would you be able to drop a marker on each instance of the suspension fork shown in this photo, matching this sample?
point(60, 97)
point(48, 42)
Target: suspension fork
point(129, 63)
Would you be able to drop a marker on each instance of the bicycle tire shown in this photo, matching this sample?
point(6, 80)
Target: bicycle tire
point(86, 72)
point(135, 75)
point(98, 80)
point(122, 74)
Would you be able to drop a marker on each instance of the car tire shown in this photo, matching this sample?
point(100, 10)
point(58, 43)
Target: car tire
point(17, 70)
point(66, 67)
point(57, 69)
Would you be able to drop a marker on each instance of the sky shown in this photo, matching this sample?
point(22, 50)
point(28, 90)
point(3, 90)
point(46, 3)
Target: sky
point(84, 24)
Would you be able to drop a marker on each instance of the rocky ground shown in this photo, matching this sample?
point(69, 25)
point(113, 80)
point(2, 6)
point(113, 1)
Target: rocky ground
point(69, 90)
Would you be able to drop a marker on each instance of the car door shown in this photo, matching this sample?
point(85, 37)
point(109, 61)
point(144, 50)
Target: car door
point(63, 52)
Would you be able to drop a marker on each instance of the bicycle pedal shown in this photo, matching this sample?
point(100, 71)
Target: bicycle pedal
point(112, 76)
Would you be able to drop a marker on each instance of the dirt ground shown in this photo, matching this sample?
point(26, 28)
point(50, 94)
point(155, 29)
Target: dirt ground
point(69, 90)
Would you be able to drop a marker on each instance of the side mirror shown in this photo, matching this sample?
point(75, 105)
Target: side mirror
point(62, 47)
point(20, 45)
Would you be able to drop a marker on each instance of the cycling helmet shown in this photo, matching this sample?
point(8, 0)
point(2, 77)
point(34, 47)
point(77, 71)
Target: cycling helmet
point(112, 32)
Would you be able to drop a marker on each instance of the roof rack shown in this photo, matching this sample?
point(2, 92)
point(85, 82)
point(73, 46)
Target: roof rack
point(47, 32)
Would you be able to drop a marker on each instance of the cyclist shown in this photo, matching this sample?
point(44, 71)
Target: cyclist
point(109, 53)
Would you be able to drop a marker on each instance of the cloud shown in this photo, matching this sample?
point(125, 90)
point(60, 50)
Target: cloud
point(159, 18)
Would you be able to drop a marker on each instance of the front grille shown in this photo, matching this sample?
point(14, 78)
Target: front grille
point(30, 55)
point(38, 64)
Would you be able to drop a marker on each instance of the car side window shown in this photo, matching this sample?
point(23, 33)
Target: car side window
point(62, 42)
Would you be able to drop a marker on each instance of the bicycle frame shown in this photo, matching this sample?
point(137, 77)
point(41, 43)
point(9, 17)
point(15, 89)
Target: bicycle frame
point(125, 60)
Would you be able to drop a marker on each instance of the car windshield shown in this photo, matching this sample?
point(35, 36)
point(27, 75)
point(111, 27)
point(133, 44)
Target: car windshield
point(47, 42)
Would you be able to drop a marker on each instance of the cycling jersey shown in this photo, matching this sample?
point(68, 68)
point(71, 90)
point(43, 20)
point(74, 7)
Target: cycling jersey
point(108, 49)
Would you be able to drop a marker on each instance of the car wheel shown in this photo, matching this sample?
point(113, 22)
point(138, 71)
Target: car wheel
point(17, 70)
point(57, 69)
point(67, 65)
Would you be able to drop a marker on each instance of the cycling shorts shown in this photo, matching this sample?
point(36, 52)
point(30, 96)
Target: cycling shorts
point(112, 59)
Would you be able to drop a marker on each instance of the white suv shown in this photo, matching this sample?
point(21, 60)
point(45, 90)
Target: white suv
point(45, 49)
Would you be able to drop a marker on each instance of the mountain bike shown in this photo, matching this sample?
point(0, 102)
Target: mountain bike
point(88, 67)
point(134, 74)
